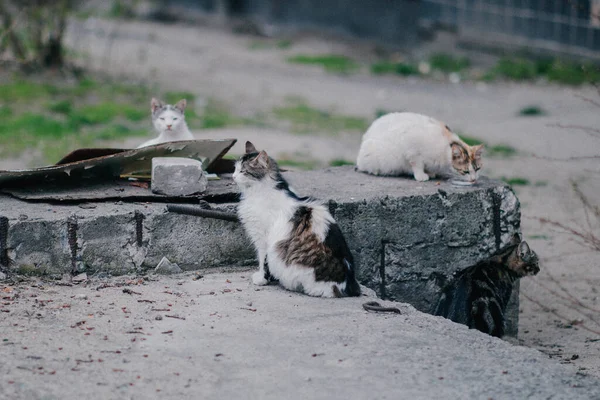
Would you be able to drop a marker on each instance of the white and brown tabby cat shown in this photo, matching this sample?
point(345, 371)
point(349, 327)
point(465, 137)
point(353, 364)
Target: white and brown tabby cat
point(409, 143)
point(297, 240)
point(169, 122)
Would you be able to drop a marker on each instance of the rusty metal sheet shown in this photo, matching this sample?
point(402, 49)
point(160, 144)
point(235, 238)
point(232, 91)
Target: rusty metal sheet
point(218, 191)
point(111, 165)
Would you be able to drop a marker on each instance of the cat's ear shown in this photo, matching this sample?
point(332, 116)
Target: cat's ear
point(156, 104)
point(263, 159)
point(458, 153)
point(516, 239)
point(181, 104)
point(524, 249)
point(250, 148)
point(477, 151)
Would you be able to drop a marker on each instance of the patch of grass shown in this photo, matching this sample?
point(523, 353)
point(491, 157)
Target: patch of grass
point(259, 45)
point(104, 113)
point(448, 63)
point(331, 62)
point(25, 91)
point(380, 112)
point(501, 150)
point(387, 67)
point(471, 141)
point(121, 9)
point(118, 131)
point(573, 74)
point(498, 150)
point(85, 85)
point(30, 124)
point(516, 181)
point(338, 162)
point(174, 97)
point(541, 237)
point(61, 107)
point(516, 69)
point(284, 44)
point(304, 165)
point(531, 111)
point(133, 113)
point(55, 119)
point(555, 70)
point(217, 115)
point(94, 114)
point(305, 119)
point(5, 112)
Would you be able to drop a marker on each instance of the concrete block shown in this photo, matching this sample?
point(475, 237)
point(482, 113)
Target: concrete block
point(197, 243)
point(176, 176)
point(107, 244)
point(408, 238)
point(39, 247)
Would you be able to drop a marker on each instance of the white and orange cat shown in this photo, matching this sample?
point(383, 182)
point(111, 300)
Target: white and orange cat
point(409, 143)
point(169, 122)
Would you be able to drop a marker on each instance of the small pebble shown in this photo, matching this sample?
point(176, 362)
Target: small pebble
point(249, 304)
point(158, 317)
point(81, 296)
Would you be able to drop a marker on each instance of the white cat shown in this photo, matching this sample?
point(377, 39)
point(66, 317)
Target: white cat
point(409, 143)
point(169, 122)
point(297, 240)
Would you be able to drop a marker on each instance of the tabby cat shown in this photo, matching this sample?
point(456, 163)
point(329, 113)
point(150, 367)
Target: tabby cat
point(479, 295)
point(296, 238)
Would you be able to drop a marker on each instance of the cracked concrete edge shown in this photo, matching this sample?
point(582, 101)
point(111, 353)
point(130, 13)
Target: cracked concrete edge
point(407, 246)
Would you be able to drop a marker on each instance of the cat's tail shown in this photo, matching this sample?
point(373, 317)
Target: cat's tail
point(352, 288)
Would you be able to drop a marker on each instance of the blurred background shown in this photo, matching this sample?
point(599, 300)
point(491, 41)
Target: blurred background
point(303, 79)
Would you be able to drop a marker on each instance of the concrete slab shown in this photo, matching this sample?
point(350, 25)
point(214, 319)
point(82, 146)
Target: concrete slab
point(408, 237)
point(221, 337)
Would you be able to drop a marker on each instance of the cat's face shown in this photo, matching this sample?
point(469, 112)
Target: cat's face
point(523, 260)
point(254, 167)
point(167, 118)
point(466, 161)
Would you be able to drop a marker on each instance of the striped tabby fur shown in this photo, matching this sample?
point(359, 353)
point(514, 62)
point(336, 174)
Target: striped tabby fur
point(478, 296)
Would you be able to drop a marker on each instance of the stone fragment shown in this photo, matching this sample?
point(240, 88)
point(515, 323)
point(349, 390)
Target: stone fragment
point(176, 176)
point(79, 278)
point(166, 267)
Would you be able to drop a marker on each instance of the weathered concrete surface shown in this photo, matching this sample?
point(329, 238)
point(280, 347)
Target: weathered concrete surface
point(408, 237)
point(237, 341)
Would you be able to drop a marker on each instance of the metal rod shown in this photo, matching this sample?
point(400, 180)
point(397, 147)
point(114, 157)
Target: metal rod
point(201, 212)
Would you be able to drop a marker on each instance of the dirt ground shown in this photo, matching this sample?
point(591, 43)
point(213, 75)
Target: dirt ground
point(560, 308)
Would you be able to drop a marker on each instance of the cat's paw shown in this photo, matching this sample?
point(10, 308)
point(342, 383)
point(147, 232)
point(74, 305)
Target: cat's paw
point(421, 176)
point(258, 278)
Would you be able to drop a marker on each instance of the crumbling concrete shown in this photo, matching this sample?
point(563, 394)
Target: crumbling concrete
point(408, 237)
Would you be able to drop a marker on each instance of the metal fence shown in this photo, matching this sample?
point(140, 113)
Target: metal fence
point(570, 27)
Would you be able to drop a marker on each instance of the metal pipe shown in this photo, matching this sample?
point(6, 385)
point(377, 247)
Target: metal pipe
point(202, 212)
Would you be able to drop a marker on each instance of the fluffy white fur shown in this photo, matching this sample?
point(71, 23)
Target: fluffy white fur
point(265, 213)
point(169, 122)
point(409, 143)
